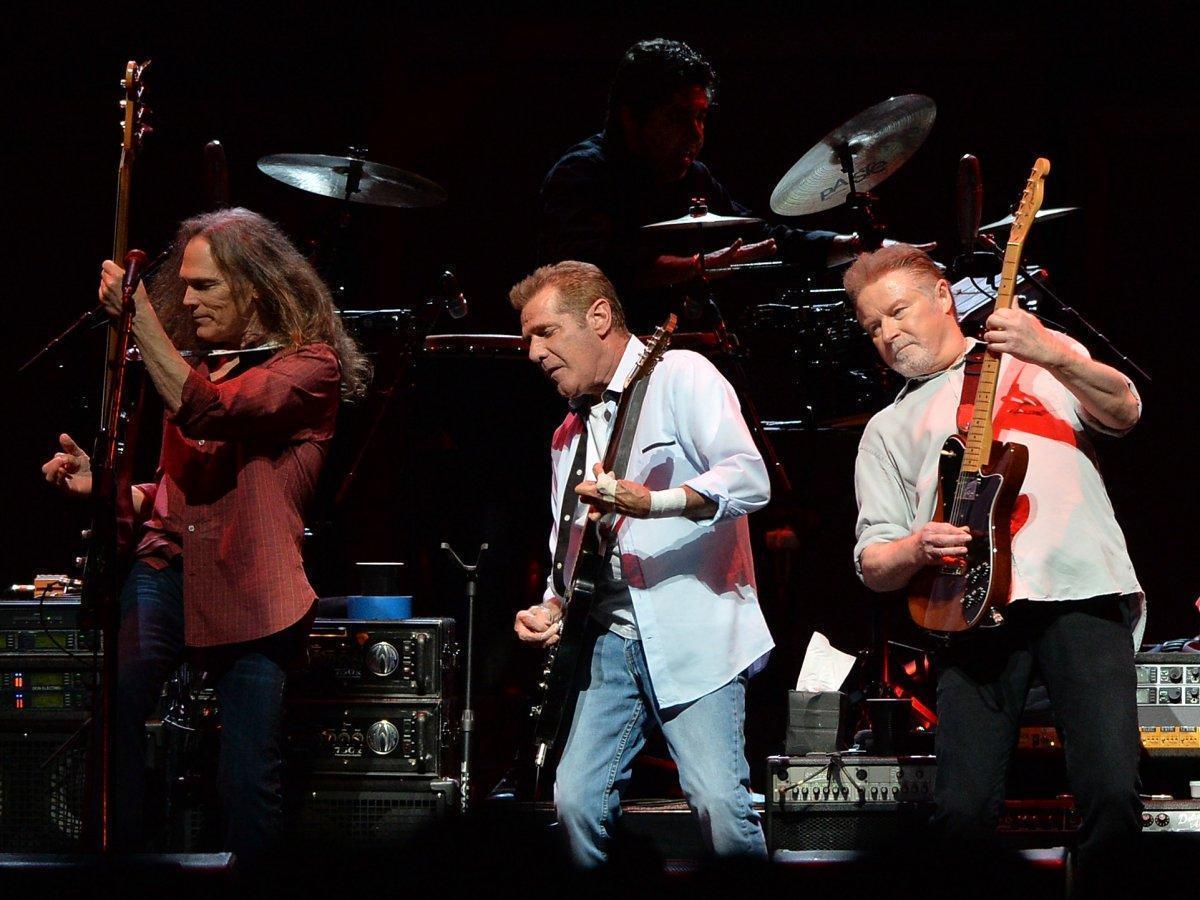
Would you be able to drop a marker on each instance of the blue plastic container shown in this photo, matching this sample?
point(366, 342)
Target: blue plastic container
point(379, 608)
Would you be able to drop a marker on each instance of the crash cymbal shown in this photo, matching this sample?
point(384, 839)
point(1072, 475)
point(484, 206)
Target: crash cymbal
point(347, 178)
point(879, 140)
point(1041, 215)
point(701, 219)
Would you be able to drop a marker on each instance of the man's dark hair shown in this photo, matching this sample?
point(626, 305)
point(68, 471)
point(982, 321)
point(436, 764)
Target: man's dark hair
point(651, 72)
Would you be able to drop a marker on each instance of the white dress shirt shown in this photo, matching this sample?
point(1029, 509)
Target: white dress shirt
point(1068, 545)
point(691, 582)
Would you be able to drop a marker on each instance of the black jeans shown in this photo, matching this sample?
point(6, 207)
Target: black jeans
point(249, 680)
point(1083, 650)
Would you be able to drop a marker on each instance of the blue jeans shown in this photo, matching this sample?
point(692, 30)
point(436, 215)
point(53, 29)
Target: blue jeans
point(249, 680)
point(616, 706)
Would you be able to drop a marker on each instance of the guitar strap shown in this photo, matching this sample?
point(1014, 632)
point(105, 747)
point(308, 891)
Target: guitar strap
point(570, 500)
point(972, 369)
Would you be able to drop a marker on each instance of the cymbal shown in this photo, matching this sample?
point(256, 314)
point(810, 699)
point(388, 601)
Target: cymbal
point(378, 185)
point(880, 140)
point(1041, 215)
point(703, 219)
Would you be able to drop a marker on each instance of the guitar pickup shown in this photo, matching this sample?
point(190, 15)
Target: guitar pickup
point(970, 490)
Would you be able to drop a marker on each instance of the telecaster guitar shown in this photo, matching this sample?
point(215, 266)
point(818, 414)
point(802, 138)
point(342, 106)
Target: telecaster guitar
point(979, 480)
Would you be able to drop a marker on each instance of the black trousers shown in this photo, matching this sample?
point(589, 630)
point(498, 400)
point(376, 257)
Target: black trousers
point(1083, 650)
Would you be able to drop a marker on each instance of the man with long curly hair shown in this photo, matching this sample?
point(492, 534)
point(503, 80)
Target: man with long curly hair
point(217, 567)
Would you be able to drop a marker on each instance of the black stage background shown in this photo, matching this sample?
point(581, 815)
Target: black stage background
point(483, 103)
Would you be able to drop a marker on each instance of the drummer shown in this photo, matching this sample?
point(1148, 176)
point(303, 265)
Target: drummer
point(641, 169)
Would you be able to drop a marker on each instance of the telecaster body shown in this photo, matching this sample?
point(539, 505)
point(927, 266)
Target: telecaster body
point(959, 596)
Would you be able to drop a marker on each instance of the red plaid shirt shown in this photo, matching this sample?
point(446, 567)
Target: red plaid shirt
point(240, 461)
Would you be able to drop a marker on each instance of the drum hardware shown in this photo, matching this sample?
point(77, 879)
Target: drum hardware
point(699, 219)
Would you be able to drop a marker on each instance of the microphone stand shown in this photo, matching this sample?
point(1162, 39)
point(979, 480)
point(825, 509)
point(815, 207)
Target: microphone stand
point(94, 316)
point(468, 713)
point(1062, 304)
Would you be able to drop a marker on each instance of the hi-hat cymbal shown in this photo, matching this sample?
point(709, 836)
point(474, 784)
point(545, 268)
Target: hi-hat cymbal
point(879, 140)
point(703, 219)
point(1041, 215)
point(334, 176)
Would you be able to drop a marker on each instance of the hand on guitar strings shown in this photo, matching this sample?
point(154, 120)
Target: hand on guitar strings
point(608, 494)
point(940, 543)
point(540, 624)
point(71, 469)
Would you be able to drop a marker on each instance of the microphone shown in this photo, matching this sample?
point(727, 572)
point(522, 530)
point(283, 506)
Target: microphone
point(456, 303)
point(216, 176)
point(135, 266)
point(970, 202)
point(968, 197)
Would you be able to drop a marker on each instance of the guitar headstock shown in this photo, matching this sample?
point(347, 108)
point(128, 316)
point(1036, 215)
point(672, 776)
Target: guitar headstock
point(656, 346)
point(1031, 202)
point(134, 111)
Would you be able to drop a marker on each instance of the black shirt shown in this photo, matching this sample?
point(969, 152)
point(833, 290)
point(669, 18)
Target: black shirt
point(596, 198)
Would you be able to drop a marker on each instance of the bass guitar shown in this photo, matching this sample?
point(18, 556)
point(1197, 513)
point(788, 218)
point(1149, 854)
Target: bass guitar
point(979, 480)
point(111, 534)
point(562, 660)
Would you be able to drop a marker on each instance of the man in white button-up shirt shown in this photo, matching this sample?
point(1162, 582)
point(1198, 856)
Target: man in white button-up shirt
point(676, 626)
point(1075, 596)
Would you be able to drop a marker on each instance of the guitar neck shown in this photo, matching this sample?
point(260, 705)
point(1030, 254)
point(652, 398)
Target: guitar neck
point(979, 435)
point(120, 248)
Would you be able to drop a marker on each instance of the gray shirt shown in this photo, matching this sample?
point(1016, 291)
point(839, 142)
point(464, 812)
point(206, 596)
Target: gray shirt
point(1067, 544)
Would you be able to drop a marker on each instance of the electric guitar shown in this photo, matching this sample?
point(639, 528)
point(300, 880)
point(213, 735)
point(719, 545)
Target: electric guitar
point(562, 660)
point(979, 480)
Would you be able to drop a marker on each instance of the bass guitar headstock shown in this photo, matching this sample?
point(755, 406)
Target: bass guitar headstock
point(134, 111)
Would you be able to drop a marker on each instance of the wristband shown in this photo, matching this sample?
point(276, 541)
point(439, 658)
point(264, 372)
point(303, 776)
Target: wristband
point(667, 503)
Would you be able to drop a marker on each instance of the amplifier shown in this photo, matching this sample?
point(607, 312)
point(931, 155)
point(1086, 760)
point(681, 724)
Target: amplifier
point(1059, 818)
point(356, 814)
point(1168, 698)
point(1168, 680)
point(849, 779)
point(42, 774)
point(1175, 816)
point(846, 801)
point(43, 689)
point(409, 658)
point(397, 737)
point(51, 626)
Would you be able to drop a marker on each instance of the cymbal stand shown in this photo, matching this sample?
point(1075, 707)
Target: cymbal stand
point(468, 713)
point(730, 347)
point(860, 205)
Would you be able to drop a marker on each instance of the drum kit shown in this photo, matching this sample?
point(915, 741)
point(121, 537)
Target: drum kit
point(810, 363)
